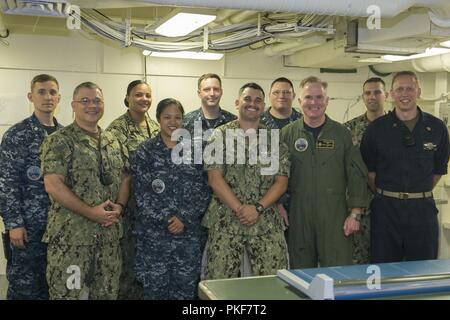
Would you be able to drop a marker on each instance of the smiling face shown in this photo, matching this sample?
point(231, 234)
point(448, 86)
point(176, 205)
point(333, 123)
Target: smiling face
point(250, 104)
point(210, 92)
point(88, 106)
point(171, 119)
point(313, 101)
point(140, 98)
point(281, 96)
point(405, 92)
point(44, 96)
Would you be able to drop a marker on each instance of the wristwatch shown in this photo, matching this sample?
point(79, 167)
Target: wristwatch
point(259, 208)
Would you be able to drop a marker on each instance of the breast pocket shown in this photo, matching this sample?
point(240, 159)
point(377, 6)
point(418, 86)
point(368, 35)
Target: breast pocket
point(425, 160)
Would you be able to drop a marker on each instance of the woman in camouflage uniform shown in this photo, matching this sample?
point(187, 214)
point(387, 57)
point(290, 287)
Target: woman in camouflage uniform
point(132, 128)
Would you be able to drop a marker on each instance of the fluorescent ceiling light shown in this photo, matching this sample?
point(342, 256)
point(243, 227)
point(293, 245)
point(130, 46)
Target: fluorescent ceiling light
point(428, 53)
point(185, 55)
point(445, 44)
point(183, 23)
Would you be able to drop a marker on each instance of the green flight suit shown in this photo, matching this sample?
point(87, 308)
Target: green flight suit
point(328, 177)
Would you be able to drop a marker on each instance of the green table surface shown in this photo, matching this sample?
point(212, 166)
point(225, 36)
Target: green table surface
point(272, 288)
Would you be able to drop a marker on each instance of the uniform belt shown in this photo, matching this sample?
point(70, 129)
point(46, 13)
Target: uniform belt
point(405, 195)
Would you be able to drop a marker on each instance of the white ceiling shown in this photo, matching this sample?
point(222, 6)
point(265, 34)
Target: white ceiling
point(405, 27)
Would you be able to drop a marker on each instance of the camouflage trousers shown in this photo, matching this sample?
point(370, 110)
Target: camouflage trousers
point(361, 241)
point(129, 287)
point(267, 253)
point(25, 272)
point(169, 266)
point(78, 272)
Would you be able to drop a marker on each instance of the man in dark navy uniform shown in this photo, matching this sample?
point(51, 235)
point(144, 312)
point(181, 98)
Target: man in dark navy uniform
point(406, 152)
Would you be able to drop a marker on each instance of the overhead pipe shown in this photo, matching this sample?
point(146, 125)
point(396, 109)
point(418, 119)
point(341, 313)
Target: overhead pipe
point(350, 8)
point(438, 63)
point(4, 32)
point(288, 48)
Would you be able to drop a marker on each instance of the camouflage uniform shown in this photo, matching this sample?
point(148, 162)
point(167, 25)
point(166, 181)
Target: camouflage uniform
point(227, 237)
point(168, 265)
point(273, 123)
point(197, 115)
point(24, 203)
point(361, 239)
point(130, 135)
point(74, 240)
point(208, 126)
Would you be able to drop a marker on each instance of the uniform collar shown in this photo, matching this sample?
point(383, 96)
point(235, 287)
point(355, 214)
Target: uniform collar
point(36, 125)
point(202, 115)
point(83, 136)
point(294, 115)
point(395, 119)
point(132, 125)
point(326, 125)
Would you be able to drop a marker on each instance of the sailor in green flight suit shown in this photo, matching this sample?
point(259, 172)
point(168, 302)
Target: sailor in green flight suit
point(327, 185)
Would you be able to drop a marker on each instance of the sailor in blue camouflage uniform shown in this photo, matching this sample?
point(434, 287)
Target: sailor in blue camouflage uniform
point(171, 201)
point(209, 115)
point(23, 200)
point(280, 112)
point(279, 115)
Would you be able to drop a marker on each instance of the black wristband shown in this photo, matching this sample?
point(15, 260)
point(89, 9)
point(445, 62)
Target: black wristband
point(259, 207)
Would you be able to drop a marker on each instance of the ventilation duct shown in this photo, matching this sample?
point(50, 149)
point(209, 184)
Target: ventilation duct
point(48, 8)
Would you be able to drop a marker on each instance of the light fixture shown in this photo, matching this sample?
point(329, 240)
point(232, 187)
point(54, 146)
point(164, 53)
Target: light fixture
point(40, 8)
point(183, 23)
point(428, 53)
point(185, 55)
point(445, 44)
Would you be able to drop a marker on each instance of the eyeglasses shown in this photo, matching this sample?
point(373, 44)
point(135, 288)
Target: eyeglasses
point(282, 92)
point(86, 101)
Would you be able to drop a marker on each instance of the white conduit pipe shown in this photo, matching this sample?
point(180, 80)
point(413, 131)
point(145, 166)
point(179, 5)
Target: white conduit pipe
point(437, 63)
point(3, 31)
point(350, 8)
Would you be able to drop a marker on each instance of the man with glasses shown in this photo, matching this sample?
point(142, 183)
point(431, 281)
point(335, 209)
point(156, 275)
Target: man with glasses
point(23, 200)
point(85, 177)
point(406, 152)
point(374, 96)
point(327, 184)
point(280, 112)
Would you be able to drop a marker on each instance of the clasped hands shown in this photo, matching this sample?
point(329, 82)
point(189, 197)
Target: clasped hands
point(246, 214)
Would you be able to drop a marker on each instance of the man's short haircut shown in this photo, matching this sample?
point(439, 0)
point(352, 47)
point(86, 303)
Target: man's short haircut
point(207, 76)
point(87, 85)
point(313, 79)
point(375, 80)
point(404, 73)
point(163, 104)
point(252, 85)
point(43, 78)
point(282, 79)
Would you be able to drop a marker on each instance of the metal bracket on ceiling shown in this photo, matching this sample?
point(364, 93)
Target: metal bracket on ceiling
point(128, 28)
